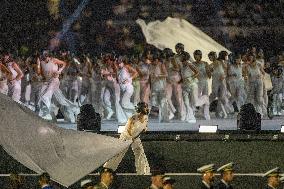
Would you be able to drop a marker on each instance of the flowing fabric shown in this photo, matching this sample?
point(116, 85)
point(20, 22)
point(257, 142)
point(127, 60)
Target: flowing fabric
point(41, 146)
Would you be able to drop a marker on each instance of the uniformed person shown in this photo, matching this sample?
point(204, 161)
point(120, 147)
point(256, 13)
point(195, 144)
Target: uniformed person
point(106, 179)
point(208, 176)
point(273, 178)
point(168, 182)
point(87, 184)
point(227, 175)
point(156, 179)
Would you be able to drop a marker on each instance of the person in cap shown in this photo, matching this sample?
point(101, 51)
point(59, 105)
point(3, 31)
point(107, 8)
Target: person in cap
point(135, 125)
point(207, 176)
point(168, 182)
point(106, 179)
point(157, 179)
point(87, 184)
point(273, 178)
point(44, 181)
point(282, 179)
point(227, 175)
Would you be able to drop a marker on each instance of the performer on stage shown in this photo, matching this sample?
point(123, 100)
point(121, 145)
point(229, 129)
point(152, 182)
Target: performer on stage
point(133, 128)
point(14, 84)
point(5, 74)
point(50, 68)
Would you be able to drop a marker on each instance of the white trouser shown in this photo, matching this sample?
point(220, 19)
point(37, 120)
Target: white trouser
point(237, 92)
point(255, 95)
point(127, 92)
point(186, 92)
point(159, 100)
point(46, 92)
point(141, 162)
point(15, 90)
point(4, 87)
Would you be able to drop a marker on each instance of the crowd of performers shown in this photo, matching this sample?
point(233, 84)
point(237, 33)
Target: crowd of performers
point(175, 84)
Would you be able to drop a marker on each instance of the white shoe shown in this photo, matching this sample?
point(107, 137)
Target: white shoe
point(47, 117)
point(191, 121)
point(171, 116)
point(109, 115)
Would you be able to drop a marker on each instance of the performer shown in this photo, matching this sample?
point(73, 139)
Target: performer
point(190, 90)
point(144, 75)
point(48, 67)
point(14, 84)
point(219, 88)
point(133, 128)
point(5, 74)
point(254, 73)
point(125, 76)
point(174, 84)
point(158, 75)
point(235, 80)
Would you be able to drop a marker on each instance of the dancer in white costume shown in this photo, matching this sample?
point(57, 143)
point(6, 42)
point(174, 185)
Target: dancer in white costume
point(125, 75)
point(158, 75)
point(235, 80)
point(14, 84)
point(254, 73)
point(5, 74)
point(173, 84)
point(133, 128)
point(219, 86)
point(190, 89)
point(111, 89)
point(48, 67)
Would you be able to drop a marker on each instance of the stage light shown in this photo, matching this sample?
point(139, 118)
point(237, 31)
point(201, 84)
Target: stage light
point(282, 129)
point(208, 128)
point(120, 128)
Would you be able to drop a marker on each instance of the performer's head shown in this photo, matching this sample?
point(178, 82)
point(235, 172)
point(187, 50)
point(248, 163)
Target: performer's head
point(185, 56)
point(179, 48)
point(142, 108)
point(212, 56)
point(197, 55)
point(235, 58)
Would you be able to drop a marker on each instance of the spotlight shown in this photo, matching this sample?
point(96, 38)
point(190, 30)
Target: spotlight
point(208, 128)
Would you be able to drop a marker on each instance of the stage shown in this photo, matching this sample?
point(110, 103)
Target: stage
point(229, 124)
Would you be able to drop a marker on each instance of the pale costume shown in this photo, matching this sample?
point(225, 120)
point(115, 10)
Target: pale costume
point(126, 88)
point(174, 87)
point(136, 86)
point(49, 86)
point(190, 93)
point(277, 83)
point(219, 89)
point(15, 85)
point(255, 87)
point(158, 74)
point(111, 89)
point(236, 85)
point(3, 83)
point(144, 71)
point(96, 89)
point(136, 128)
point(86, 83)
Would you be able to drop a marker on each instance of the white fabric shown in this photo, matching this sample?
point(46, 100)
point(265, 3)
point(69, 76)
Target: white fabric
point(67, 155)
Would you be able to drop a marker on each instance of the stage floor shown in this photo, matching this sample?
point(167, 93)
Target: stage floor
point(177, 125)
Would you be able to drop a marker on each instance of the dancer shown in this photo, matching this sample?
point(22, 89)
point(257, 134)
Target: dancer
point(125, 76)
point(14, 84)
point(48, 68)
point(5, 74)
point(133, 128)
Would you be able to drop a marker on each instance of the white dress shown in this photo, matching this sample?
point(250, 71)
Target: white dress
point(141, 162)
point(3, 83)
point(15, 87)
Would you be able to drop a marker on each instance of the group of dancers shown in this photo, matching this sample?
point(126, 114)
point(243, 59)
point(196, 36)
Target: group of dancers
point(174, 83)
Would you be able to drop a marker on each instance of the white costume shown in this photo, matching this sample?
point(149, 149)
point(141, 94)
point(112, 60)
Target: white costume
point(3, 83)
point(126, 87)
point(135, 127)
point(15, 85)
